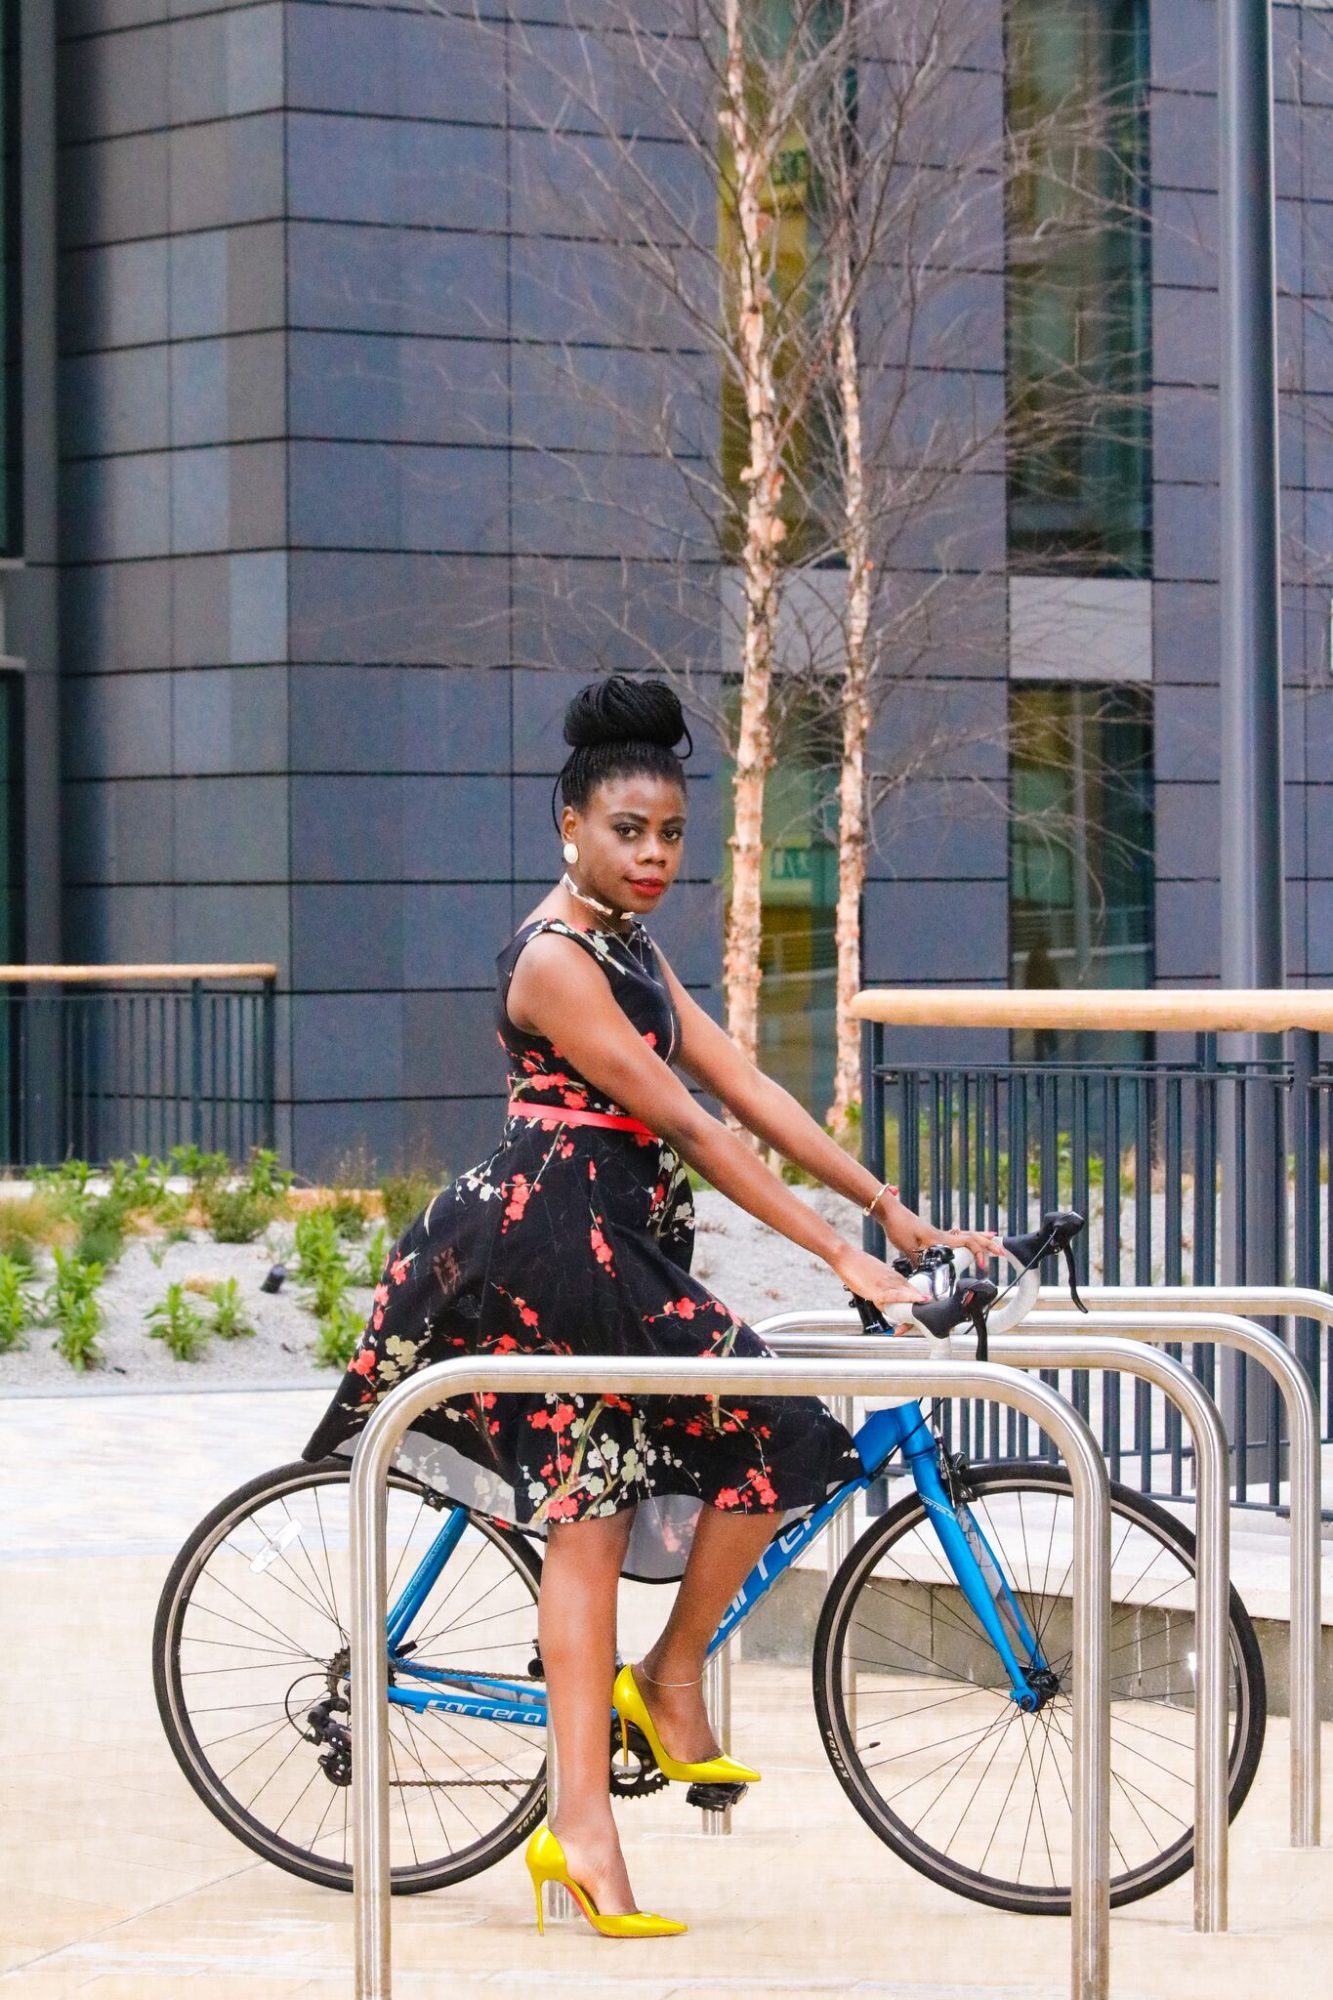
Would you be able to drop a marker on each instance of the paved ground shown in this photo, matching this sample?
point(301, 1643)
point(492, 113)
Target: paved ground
point(118, 1886)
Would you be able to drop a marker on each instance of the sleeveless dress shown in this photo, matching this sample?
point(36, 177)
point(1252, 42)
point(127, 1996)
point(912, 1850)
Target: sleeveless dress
point(577, 1239)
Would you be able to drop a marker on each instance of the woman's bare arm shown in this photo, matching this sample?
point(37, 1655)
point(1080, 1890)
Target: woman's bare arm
point(773, 1115)
point(557, 991)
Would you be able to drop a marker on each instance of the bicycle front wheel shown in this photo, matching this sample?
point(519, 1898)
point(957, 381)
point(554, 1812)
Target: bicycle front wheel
point(250, 1668)
point(918, 1722)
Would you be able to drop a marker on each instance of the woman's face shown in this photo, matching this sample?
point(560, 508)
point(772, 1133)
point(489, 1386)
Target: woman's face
point(630, 837)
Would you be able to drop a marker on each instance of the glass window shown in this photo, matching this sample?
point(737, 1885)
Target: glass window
point(797, 1000)
point(1078, 286)
point(789, 203)
point(1081, 836)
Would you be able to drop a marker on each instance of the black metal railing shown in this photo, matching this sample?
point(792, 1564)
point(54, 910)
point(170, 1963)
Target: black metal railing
point(1174, 1163)
point(102, 1062)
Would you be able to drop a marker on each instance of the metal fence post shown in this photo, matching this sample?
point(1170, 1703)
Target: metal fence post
point(661, 1375)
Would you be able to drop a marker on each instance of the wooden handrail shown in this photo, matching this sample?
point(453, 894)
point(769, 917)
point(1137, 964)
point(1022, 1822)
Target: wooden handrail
point(1158, 1010)
point(90, 975)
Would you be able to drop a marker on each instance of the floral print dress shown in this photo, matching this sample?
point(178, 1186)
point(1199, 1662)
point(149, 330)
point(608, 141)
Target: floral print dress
point(576, 1239)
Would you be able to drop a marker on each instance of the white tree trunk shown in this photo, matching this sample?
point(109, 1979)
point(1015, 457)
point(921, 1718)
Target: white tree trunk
point(764, 530)
point(855, 706)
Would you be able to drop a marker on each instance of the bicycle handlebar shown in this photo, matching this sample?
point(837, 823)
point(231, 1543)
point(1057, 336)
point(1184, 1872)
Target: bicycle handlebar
point(971, 1298)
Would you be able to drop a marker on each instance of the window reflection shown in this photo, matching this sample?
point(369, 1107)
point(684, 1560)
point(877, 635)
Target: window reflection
point(1078, 286)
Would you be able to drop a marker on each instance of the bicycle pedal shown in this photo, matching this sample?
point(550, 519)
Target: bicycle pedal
point(715, 1798)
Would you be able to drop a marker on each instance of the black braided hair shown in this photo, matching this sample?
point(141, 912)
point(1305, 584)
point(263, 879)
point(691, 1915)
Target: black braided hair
point(615, 727)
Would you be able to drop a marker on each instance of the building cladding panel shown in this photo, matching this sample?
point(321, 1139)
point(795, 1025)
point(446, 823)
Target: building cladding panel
point(338, 537)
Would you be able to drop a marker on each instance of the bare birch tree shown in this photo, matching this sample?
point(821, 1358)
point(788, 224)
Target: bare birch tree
point(764, 127)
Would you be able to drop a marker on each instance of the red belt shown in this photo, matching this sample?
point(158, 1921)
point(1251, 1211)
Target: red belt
point(554, 1114)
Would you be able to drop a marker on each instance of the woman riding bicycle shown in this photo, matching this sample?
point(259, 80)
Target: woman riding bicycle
point(575, 1237)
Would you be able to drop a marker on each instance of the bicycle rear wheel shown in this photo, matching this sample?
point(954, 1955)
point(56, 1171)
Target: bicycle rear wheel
point(974, 1792)
point(250, 1663)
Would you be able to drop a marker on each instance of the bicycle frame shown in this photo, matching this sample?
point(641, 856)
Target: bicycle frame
point(904, 1428)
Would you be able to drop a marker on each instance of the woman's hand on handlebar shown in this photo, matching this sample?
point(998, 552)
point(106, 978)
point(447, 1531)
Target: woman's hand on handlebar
point(867, 1278)
point(979, 1244)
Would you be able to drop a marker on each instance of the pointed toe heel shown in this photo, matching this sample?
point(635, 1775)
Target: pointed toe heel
point(545, 1859)
point(631, 1707)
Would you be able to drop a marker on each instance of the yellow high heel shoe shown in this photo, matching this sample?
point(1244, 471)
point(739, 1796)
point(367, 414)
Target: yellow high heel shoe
point(546, 1863)
point(630, 1706)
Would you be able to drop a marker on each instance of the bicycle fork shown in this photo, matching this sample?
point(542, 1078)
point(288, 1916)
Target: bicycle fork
point(980, 1578)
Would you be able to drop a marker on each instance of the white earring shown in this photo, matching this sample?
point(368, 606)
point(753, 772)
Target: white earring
point(570, 852)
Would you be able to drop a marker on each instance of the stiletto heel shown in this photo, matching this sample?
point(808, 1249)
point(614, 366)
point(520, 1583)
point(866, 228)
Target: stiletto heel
point(545, 1858)
point(631, 1707)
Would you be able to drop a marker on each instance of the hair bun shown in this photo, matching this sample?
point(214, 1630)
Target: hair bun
point(619, 710)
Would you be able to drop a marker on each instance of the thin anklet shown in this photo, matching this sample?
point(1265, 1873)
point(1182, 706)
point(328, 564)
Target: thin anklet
point(668, 1684)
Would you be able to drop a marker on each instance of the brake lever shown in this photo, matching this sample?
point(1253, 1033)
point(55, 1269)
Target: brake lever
point(1072, 1275)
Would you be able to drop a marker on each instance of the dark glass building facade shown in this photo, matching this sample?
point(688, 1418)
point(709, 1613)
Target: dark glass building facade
point(319, 554)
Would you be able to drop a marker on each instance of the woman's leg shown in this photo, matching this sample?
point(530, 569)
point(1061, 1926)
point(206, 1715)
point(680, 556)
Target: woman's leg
point(725, 1549)
point(576, 1624)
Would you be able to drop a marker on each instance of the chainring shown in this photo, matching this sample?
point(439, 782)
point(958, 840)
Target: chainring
point(635, 1776)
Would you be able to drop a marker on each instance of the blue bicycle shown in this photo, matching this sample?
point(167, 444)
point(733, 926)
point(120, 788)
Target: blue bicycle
point(941, 1666)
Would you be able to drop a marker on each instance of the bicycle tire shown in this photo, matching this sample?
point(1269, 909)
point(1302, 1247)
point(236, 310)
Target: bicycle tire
point(915, 1603)
point(171, 1633)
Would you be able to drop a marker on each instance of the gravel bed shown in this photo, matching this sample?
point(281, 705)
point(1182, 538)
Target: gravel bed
point(750, 1267)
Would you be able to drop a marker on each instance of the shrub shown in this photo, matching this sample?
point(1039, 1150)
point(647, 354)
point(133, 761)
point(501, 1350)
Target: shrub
point(77, 1341)
point(70, 1304)
point(29, 1223)
point(372, 1259)
point(350, 1212)
point(69, 1179)
point(339, 1331)
point(140, 1184)
point(236, 1215)
point(405, 1195)
point(179, 1325)
point(230, 1321)
point(200, 1169)
point(101, 1238)
point(16, 1306)
point(321, 1262)
point(265, 1178)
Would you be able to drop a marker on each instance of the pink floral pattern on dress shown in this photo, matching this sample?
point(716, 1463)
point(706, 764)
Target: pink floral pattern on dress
point(576, 1239)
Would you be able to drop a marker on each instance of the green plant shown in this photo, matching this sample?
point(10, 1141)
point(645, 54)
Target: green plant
point(71, 1177)
point(77, 1341)
point(16, 1305)
point(230, 1321)
point(200, 1169)
point(265, 1178)
point(179, 1325)
point(350, 1213)
point(236, 1215)
point(339, 1331)
point(372, 1258)
point(140, 1183)
point(405, 1195)
point(101, 1222)
point(70, 1303)
point(321, 1262)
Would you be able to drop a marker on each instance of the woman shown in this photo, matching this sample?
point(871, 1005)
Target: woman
point(575, 1237)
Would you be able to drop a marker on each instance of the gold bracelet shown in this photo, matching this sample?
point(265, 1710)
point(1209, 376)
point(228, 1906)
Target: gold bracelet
point(873, 1203)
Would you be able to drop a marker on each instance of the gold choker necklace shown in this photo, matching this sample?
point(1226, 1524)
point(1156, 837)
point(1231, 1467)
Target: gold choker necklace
point(617, 917)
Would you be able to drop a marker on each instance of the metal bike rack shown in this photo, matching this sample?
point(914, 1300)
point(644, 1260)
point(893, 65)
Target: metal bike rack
point(1306, 1550)
point(834, 1333)
point(868, 1375)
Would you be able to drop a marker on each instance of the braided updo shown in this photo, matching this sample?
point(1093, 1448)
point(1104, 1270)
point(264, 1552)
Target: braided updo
point(616, 727)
